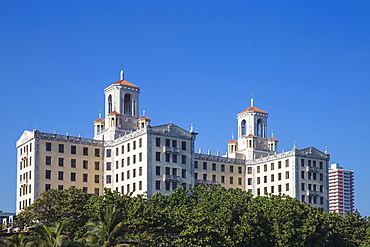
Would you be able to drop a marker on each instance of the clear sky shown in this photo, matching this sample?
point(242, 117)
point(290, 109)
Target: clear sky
point(307, 63)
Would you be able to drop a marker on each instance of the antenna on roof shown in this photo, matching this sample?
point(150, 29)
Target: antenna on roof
point(232, 135)
point(99, 114)
point(122, 74)
point(252, 100)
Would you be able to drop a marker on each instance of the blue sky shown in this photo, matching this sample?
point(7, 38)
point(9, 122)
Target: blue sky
point(307, 63)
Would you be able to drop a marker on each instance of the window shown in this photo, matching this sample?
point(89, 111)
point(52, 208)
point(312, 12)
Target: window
point(249, 170)
point(97, 152)
point(174, 158)
point(309, 186)
point(48, 160)
point(286, 175)
point(96, 179)
point(321, 200)
point(272, 178)
point(240, 169)
point(157, 142)
point(265, 179)
point(183, 145)
point(249, 181)
point(47, 187)
point(302, 174)
point(222, 167)
point(287, 187)
point(204, 176)
point(195, 175)
point(303, 199)
point(140, 171)
point(84, 177)
point(140, 142)
point(134, 159)
point(258, 169)
point(309, 162)
point(321, 165)
point(168, 184)
point(128, 161)
point(61, 161)
point(272, 189)
point(303, 186)
point(84, 189)
point(97, 165)
point(157, 185)
point(61, 148)
point(73, 150)
point(302, 162)
point(73, 176)
point(109, 166)
point(183, 159)
point(60, 175)
point(279, 176)
point(314, 163)
point(265, 167)
point(122, 176)
point(109, 179)
point(223, 179)
point(109, 153)
point(48, 146)
point(286, 163)
point(231, 180)
point(265, 190)
point(204, 165)
point(174, 143)
point(48, 174)
point(240, 181)
point(314, 176)
point(258, 191)
point(140, 184)
point(157, 156)
point(174, 171)
point(167, 170)
point(134, 145)
point(96, 191)
point(314, 199)
point(213, 177)
point(117, 180)
point(140, 157)
point(196, 164)
point(167, 157)
point(258, 180)
point(128, 174)
point(321, 177)
point(85, 164)
point(183, 173)
point(128, 188)
point(122, 162)
point(321, 188)
point(168, 142)
point(158, 170)
point(279, 188)
point(122, 149)
point(309, 175)
point(272, 166)
point(134, 173)
point(231, 169)
point(85, 151)
point(60, 187)
point(128, 147)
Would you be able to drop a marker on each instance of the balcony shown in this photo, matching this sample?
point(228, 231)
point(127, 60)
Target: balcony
point(171, 178)
point(312, 169)
point(201, 181)
point(313, 193)
point(167, 149)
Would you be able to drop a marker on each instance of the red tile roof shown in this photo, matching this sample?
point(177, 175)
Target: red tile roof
point(272, 139)
point(232, 140)
point(252, 108)
point(99, 120)
point(123, 82)
point(114, 112)
point(251, 135)
point(144, 117)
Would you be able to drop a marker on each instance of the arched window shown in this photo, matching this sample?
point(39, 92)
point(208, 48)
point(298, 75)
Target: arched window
point(259, 128)
point(127, 104)
point(244, 128)
point(110, 104)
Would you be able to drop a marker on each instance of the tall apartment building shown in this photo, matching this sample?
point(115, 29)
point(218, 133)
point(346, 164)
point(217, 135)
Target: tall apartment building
point(127, 154)
point(341, 190)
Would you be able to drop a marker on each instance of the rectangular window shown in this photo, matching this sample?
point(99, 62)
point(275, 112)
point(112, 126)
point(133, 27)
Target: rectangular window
point(157, 142)
point(286, 163)
point(61, 161)
point(272, 189)
point(265, 190)
point(109, 166)
point(73, 150)
point(60, 187)
point(122, 149)
point(97, 164)
point(183, 173)
point(174, 143)
point(204, 165)
point(214, 177)
point(140, 157)
point(128, 174)
point(48, 174)
point(116, 180)
point(279, 188)
point(96, 191)
point(158, 170)
point(61, 148)
point(128, 188)
point(109, 179)
point(302, 162)
point(222, 168)
point(128, 161)
point(73, 176)
point(85, 151)
point(231, 169)
point(122, 176)
point(134, 159)
point(287, 187)
point(314, 163)
point(240, 170)
point(167, 170)
point(174, 185)
point(213, 166)
point(321, 188)
point(140, 171)
point(168, 156)
point(314, 199)
point(48, 146)
point(265, 167)
point(231, 180)
point(303, 186)
point(265, 179)
point(96, 179)
point(249, 170)
point(60, 175)
point(223, 179)
point(84, 189)
point(309, 186)
point(272, 178)
point(157, 156)
point(258, 169)
point(196, 164)
point(279, 164)
point(174, 171)
point(240, 181)
point(174, 158)
point(84, 177)
point(303, 198)
point(134, 145)
point(47, 187)
point(309, 175)
point(140, 185)
point(309, 162)
point(48, 160)
point(321, 165)
point(128, 147)
point(157, 185)
point(321, 177)
point(168, 142)
point(168, 184)
point(249, 181)
point(140, 142)
point(258, 180)
point(183, 145)
point(321, 200)
point(314, 176)
point(287, 175)
point(279, 176)
point(302, 174)
point(109, 153)
point(204, 176)
point(183, 159)
point(85, 164)
point(97, 152)
point(134, 173)
point(195, 175)
point(122, 162)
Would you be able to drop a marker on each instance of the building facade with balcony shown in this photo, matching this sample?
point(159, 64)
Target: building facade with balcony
point(341, 190)
point(130, 155)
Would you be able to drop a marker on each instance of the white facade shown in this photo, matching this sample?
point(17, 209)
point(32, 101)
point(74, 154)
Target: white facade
point(129, 155)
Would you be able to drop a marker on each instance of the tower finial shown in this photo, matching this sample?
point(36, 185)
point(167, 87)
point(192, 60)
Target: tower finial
point(326, 150)
point(144, 113)
point(191, 128)
point(122, 74)
point(232, 135)
point(295, 145)
point(99, 114)
point(252, 100)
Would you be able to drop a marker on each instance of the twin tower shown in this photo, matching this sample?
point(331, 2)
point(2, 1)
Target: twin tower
point(122, 117)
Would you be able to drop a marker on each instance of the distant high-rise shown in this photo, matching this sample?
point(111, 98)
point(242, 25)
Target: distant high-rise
point(341, 190)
